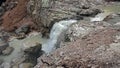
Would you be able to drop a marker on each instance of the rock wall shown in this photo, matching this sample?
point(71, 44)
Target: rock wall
point(43, 12)
point(46, 14)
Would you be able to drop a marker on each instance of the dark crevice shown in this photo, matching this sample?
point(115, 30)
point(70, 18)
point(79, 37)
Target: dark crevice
point(2, 1)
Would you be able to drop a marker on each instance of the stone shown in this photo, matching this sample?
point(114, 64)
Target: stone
point(89, 12)
point(32, 49)
point(3, 45)
point(7, 51)
point(22, 29)
point(26, 65)
point(118, 23)
point(15, 66)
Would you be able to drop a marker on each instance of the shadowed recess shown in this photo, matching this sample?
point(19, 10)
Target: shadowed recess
point(2, 1)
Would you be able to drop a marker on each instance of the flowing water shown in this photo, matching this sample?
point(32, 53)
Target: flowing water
point(59, 28)
point(48, 45)
point(56, 35)
point(108, 10)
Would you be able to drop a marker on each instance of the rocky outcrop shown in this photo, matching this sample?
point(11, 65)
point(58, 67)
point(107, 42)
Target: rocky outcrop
point(15, 15)
point(90, 45)
point(47, 12)
point(44, 12)
point(93, 50)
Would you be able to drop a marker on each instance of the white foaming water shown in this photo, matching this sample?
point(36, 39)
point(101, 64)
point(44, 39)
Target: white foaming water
point(100, 17)
point(57, 35)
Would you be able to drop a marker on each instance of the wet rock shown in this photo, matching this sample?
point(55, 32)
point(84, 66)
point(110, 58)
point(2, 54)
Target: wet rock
point(91, 52)
point(32, 49)
point(32, 53)
point(43, 16)
point(3, 45)
point(22, 29)
point(118, 23)
point(26, 65)
point(1, 11)
point(6, 65)
point(7, 51)
point(89, 12)
point(78, 30)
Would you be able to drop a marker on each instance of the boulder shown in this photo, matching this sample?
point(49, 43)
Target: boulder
point(32, 49)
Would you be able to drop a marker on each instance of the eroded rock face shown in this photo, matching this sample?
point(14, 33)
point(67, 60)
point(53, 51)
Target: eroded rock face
point(95, 50)
point(46, 14)
point(15, 15)
point(93, 45)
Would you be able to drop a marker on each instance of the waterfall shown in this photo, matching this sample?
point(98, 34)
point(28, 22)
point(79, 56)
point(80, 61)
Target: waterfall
point(57, 35)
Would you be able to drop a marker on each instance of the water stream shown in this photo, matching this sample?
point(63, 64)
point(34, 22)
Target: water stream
point(57, 34)
point(108, 10)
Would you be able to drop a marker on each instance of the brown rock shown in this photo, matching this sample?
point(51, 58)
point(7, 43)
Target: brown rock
point(93, 51)
point(16, 17)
